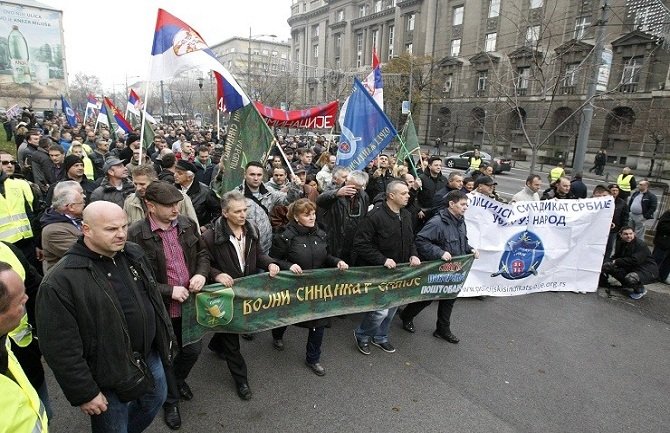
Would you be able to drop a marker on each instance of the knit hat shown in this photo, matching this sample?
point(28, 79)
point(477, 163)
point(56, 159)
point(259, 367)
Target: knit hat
point(71, 160)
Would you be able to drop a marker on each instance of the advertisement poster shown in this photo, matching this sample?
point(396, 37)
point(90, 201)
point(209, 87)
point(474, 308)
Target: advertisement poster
point(31, 53)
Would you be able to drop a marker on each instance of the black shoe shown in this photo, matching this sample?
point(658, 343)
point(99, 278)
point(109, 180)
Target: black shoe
point(278, 344)
point(185, 391)
point(385, 346)
point(364, 348)
point(316, 368)
point(407, 325)
point(244, 392)
point(248, 337)
point(447, 336)
point(172, 417)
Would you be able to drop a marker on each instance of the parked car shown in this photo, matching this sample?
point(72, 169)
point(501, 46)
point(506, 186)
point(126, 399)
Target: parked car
point(460, 162)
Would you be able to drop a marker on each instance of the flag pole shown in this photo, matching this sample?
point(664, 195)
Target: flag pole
point(288, 164)
point(218, 124)
point(144, 110)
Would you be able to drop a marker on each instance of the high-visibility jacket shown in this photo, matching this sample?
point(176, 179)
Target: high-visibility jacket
point(22, 409)
point(14, 222)
point(22, 334)
point(623, 181)
point(474, 163)
point(556, 173)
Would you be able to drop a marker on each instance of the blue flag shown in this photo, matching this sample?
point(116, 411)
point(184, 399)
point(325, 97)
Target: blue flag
point(366, 130)
point(69, 112)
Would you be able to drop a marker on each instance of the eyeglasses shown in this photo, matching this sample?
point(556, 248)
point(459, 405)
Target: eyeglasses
point(8, 162)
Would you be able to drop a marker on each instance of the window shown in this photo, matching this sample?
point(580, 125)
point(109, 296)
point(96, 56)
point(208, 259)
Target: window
point(457, 15)
point(338, 44)
point(534, 4)
point(408, 48)
point(283, 55)
point(391, 41)
point(266, 52)
point(362, 11)
point(491, 42)
point(338, 63)
point(570, 79)
point(532, 35)
point(631, 70)
point(375, 40)
point(482, 81)
point(455, 48)
point(448, 83)
point(359, 50)
point(523, 77)
point(315, 30)
point(232, 50)
point(275, 53)
point(315, 51)
point(494, 8)
point(581, 25)
point(643, 18)
point(378, 6)
point(339, 16)
point(410, 22)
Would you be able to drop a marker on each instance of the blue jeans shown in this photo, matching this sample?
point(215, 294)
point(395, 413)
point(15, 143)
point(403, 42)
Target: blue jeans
point(375, 326)
point(135, 416)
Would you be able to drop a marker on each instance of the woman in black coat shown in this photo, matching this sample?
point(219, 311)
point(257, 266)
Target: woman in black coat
point(662, 246)
point(301, 246)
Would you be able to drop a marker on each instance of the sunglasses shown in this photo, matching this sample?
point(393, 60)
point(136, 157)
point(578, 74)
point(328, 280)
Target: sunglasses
point(8, 162)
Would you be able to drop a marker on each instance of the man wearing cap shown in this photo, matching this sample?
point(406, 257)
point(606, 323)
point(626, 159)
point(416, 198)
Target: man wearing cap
point(135, 206)
point(205, 202)
point(74, 170)
point(484, 185)
point(443, 237)
point(162, 234)
point(115, 186)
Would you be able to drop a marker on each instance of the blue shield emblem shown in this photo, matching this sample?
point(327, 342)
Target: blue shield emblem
point(522, 257)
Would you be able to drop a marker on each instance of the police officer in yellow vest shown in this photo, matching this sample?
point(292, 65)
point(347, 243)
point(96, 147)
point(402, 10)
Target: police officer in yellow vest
point(626, 182)
point(20, 407)
point(16, 208)
point(556, 173)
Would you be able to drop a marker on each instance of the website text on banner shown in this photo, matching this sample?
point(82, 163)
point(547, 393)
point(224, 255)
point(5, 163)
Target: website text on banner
point(258, 302)
point(528, 247)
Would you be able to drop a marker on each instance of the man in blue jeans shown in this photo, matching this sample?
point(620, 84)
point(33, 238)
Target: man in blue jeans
point(384, 238)
point(104, 329)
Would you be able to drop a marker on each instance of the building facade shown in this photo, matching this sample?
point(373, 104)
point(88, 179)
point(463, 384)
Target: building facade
point(510, 76)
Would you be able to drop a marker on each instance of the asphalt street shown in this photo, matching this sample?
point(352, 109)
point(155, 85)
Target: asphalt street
point(548, 362)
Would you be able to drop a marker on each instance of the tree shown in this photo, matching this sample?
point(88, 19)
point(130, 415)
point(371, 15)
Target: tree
point(82, 85)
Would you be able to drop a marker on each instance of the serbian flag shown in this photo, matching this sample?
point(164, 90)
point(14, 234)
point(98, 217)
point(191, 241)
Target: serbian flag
point(227, 97)
point(177, 47)
point(134, 104)
point(373, 82)
point(118, 116)
point(102, 115)
point(92, 105)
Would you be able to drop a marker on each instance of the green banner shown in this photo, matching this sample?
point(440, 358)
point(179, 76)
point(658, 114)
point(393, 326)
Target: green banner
point(258, 302)
point(249, 139)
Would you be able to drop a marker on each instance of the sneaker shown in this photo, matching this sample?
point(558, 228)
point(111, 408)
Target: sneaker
point(385, 346)
point(364, 348)
point(638, 295)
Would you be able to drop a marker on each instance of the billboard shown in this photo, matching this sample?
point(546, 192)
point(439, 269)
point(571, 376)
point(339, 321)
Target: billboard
point(31, 53)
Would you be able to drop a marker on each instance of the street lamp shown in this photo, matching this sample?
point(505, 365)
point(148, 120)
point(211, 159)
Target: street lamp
point(249, 56)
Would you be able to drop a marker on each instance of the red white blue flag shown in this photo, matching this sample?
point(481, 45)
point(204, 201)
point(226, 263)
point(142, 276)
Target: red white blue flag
point(374, 83)
point(177, 47)
point(118, 116)
point(134, 103)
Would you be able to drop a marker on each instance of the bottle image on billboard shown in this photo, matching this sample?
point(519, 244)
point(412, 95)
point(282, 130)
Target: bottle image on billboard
point(19, 56)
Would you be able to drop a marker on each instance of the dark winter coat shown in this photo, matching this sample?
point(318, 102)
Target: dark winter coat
point(223, 256)
point(635, 256)
point(429, 186)
point(195, 252)
point(207, 206)
point(578, 188)
point(378, 184)
point(444, 232)
point(620, 217)
point(87, 185)
point(384, 235)
point(649, 203)
point(83, 333)
point(662, 236)
point(306, 247)
point(340, 216)
point(108, 192)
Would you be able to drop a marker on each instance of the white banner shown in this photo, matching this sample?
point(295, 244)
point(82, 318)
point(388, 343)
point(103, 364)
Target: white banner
point(528, 247)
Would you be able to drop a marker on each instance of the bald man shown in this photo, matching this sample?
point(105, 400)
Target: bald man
point(104, 330)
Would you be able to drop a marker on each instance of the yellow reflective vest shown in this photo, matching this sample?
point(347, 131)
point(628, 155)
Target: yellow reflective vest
point(556, 173)
point(14, 222)
point(22, 409)
point(474, 163)
point(623, 181)
point(22, 335)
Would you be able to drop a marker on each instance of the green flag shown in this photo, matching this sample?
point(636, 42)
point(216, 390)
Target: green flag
point(258, 302)
point(249, 139)
point(148, 134)
point(409, 143)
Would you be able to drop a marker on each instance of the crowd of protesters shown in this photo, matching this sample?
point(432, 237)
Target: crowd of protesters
point(109, 239)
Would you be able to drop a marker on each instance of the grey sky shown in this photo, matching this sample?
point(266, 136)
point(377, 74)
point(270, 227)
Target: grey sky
point(113, 39)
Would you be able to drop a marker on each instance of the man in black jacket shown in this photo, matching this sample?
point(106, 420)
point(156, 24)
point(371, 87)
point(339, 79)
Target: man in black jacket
point(384, 238)
point(443, 237)
point(103, 327)
point(234, 252)
point(431, 182)
point(165, 234)
point(204, 200)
